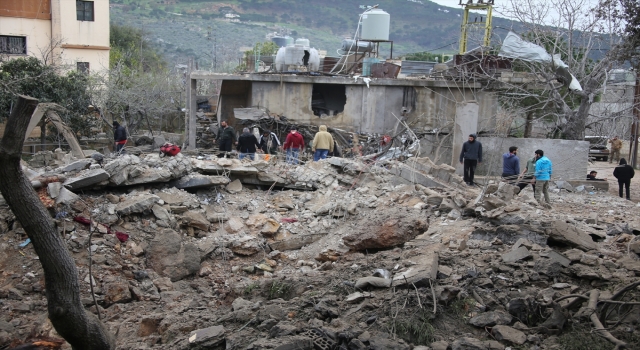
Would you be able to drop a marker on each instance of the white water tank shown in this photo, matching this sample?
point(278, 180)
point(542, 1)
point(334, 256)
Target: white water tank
point(302, 41)
point(375, 25)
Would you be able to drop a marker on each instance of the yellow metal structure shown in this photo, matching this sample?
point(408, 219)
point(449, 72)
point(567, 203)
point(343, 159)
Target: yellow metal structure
point(466, 25)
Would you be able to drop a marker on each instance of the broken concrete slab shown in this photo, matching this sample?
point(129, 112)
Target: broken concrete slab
point(569, 234)
point(76, 166)
point(425, 269)
point(86, 179)
point(490, 319)
point(132, 170)
point(137, 204)
point(223, 166)
point(196, 219)
point(196, 181)
point(247, 245)
point(414, 176)
point(296, 242)
point(66, 197)
point(557, 257)
point(53, 188)
point(516, 255)
point(235, 186)
point(207, 338)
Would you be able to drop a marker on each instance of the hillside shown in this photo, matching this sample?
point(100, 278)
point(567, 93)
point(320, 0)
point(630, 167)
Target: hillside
point(183, 28)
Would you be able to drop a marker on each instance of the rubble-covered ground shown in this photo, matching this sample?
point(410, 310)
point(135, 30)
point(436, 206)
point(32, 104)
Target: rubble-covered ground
point(194, 252)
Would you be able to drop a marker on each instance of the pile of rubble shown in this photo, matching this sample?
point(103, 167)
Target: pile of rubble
point(216, 253)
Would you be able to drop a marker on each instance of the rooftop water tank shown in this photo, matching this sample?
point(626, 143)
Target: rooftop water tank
point(349, 45)
point(281, 41)
point(302, 41)
point(375, 25)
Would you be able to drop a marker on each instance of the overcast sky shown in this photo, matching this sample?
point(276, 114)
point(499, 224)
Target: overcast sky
point(499, 7)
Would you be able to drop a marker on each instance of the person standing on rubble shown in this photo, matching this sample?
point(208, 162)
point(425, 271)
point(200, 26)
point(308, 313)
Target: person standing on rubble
point(616, 146)
point(226, 136)
point(293, 144)
point(526, 177)
point(510, 165)
point(624, 173)
point(269, 142)
point(322, 144)
point(542, 175)
point(247, 145)
point(471, 156)
point(119, 137)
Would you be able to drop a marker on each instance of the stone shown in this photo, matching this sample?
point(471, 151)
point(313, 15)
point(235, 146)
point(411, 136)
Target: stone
point(235, 225)
point(458, 244)
point(247, 245)
point(571, 235)
point(137, 204)
point(385, 342)
point(592, 218)
point(491, 203)
point(86, 179)
point(425, 269)
point(172, 258)
point(589, 259)
point(635, 247)
point(66, 197)
point(196, 181)
point(239, 304)
point(385, 232)
point(439, 345)
point(516, 255)
point(196, 219)
point(234, 186)
point(630, 264)
point(149, 325)
point(557, 257)
point(511, 335)
point(53, 188)
point(468, 343)
point(490, 319)
point(256, 220)
point(116, 292)
point(296, 241)
point(584, 271)
point(163, 284)
point(76, 166)
point(378, 282)
point(207, 338)
point(283, 201)
point(270, 228)
point(444, 271)
point(356, 297)
point(161, 213)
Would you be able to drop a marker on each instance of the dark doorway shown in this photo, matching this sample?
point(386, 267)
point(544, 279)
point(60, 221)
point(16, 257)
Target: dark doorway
point(328, 99)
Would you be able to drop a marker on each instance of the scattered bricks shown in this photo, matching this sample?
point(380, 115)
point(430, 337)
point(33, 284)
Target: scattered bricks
point(516, 255)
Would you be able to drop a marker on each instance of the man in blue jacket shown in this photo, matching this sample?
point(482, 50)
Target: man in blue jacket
point(470, 156)
point(542, 175)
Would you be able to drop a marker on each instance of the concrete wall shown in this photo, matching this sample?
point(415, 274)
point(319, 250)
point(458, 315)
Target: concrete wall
point(37, 31)
point(569, 158)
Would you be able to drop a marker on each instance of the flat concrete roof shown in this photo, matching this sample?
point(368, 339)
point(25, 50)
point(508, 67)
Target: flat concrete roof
point(324, 79)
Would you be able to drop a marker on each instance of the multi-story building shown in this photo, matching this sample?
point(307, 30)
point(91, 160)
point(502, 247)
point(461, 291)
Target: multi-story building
point(74, 34)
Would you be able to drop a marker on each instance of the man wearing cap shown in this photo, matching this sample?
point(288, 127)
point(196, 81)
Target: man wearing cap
point(471, 156)
point(293, 144)
point(119, 137)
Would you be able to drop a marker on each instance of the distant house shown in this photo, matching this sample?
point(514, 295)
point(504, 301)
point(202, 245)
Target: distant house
point(70, 33)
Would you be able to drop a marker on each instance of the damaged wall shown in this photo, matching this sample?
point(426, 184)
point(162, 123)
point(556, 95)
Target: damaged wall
point(569, 157)
point(429, 104)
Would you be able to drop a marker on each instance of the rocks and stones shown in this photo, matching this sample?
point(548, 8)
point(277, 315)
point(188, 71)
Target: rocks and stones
point(76, 166)
point(53, 188)
point(385, 232)
point(511, 335)
point(270, 228)
point(172, 258)
point(137, 204)
point(377, 282)
point(425, 269)
point(247, 245)
point(196, 219)
point(296, 241)
point(66, 197)
point(569, 234)
point(116, 292)
point(518, 254)
point(161, 213)
point(235, 186)
point(207, 338)
point(490, 319)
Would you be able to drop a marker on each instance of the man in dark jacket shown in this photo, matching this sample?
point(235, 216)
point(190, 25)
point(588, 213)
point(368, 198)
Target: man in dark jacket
point(226, 136)
point(511, 165)
point(624, 173)
point(470, 156)
point(119, 137)
point(269, 142)
point(247, 144)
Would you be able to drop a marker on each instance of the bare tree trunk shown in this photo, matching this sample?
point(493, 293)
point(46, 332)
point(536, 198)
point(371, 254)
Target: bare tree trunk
point(528, 126)
point(81, 329)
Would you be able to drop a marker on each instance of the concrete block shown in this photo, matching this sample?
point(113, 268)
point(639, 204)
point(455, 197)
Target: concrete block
point(86, 179)
point(516, 255)
point(592, 219)
point(137, 204)
point(195, 181)
point(414, 176)
point(66, 197)
point(76, 166)
point(426, 269)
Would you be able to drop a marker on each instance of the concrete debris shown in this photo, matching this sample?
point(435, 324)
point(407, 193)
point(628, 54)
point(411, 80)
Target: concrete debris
point(336, 254)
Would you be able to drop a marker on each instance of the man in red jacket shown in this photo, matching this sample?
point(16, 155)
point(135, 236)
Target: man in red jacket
point(293, 144)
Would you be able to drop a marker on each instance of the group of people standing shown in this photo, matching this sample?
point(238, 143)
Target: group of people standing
point(248, 145)
point(536, 173)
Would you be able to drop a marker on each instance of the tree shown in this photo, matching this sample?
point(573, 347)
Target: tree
point(574, 33)
point(48, 84)
point(80, 328)
point(130, 48)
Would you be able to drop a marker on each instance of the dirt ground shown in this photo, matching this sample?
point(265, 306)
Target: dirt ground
point(605, 170)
